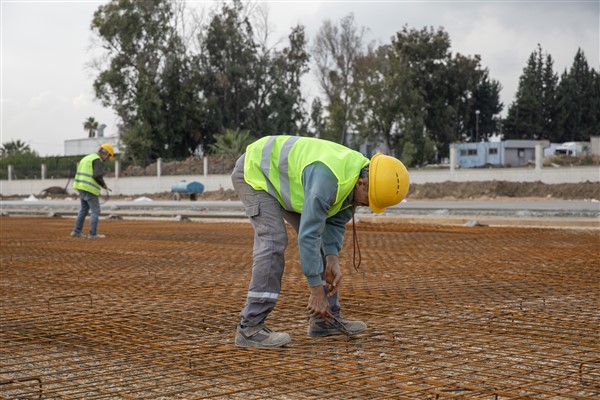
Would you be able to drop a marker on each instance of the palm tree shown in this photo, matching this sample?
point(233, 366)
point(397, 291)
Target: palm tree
point(232, 143)
point(14, 147)
point(91, 126)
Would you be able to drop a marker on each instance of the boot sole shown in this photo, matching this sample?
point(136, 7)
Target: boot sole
point(257, 345)
point(332, 332)
point(325, 333)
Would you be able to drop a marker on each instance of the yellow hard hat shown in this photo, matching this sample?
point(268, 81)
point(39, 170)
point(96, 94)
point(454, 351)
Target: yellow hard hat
point(109, 149)
point(388, 182)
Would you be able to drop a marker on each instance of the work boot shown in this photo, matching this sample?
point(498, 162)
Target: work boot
point(260, 336)
point(318, 327)
point(96, 236)
point(76, 234)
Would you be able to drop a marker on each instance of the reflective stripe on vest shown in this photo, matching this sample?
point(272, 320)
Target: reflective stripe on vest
point(275, 164)
point(84, 179)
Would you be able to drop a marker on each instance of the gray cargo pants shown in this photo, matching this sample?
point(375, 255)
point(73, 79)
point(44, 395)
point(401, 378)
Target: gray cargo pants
point(270, 241)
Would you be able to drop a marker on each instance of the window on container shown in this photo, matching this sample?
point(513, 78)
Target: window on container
point(521, 153)
point(463, 152)
point(493, 151)
point(472, 152)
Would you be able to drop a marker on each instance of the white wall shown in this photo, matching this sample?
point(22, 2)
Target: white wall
point(119, 186)
point(545, 175)
point(153, 184)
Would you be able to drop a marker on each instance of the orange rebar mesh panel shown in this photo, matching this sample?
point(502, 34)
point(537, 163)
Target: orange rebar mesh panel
point(150, 313)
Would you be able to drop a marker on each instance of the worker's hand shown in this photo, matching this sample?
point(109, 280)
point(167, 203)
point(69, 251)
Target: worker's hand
point(317, 303)
point(333, 274)
point(108, 189)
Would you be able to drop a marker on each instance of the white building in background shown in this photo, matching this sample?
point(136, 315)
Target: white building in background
point(508, 153)
point(81, 147)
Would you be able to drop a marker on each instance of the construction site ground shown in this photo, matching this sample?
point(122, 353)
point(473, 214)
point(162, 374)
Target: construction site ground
point(469, 311)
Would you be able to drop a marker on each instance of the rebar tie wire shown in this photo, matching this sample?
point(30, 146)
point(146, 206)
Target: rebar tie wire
point(337, 324)
point(355, 245)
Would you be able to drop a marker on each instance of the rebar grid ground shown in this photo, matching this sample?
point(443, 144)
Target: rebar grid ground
point(150, 313)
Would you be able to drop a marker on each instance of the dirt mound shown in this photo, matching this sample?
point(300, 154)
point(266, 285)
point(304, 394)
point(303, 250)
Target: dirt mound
point(494, 189)
point(53, 191)
point(426, 191)
point(460, 190)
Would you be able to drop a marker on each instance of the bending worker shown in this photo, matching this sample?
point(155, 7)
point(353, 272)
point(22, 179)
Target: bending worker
point(89, 182)
point(314, 185)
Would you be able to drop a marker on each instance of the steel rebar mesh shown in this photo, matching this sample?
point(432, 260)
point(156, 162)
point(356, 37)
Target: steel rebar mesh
point(150, 312)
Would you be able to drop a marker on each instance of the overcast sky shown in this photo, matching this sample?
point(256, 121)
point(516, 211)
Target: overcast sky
point(46, 88)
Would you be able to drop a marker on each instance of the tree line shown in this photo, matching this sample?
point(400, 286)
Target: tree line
point(181, 81)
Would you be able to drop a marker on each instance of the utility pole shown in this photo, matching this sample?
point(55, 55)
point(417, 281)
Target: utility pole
point(476, 125)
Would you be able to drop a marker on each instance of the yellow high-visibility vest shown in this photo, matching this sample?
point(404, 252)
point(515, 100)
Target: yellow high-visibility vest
point(275, 164)
point(84, 179)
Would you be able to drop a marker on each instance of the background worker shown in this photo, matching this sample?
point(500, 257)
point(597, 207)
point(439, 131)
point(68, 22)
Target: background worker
point(314, 185)
point(89, 181)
